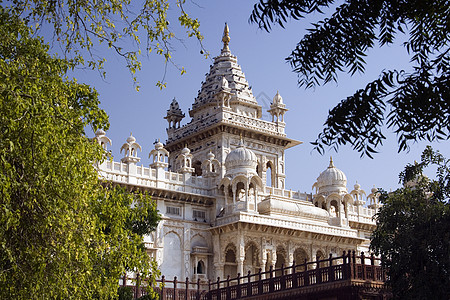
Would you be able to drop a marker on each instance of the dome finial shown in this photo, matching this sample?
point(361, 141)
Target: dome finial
point(225, 38)
point(241, 141)
point(331, 162)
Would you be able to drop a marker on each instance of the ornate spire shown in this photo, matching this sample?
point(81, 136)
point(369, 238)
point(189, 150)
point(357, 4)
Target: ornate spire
point(225, 39)
point(331, 162)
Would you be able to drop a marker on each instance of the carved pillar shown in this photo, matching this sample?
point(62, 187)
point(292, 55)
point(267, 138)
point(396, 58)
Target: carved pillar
point(219, 269)
point(274, 258)
point(263, 262)
point(241, 253)
point(246, 196)
point(290, 260)
point(240, 266)
point(225, 191)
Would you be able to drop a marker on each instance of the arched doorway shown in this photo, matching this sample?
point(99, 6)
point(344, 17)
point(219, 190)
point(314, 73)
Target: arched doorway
point(281, 260)
point(251, 261)
point(299, 257)
point(230, 267)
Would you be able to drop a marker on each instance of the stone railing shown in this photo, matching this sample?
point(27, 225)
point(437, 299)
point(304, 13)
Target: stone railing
point(296, 195)
point(361, 214)
point(147, 177)
point(228, 117)
point(252, 123)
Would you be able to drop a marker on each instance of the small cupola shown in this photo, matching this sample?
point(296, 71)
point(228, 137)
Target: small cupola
point(332, 180)
point(130, 150)
point(174, 115)
point(241, 160)
point(102, 139)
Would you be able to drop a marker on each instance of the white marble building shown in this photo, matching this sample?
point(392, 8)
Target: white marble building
point(219, 183)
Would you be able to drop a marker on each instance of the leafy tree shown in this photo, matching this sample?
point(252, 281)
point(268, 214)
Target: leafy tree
point(121, 25)
point(414, 105)
point(63, 233)
point(413, 231)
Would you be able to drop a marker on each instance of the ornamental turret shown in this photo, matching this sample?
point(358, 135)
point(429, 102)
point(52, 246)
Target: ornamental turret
point(211, 165)
point(374, 199)
point(184, 161)
point(102, 139)
point(357, 194)
point(130, 149)
point(277, 109)
point(159, 156)
point(174, 115)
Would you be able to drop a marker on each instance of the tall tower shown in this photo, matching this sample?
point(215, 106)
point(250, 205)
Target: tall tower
point(225, 110)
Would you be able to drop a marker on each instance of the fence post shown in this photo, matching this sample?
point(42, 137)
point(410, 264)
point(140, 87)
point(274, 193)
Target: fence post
point(187, 289)
point(175, 294)
point(271, 283)
point(331, 277)
point(363, 265)
point(209, 289)
point(238, 288)
point(163, 289)
point(249, 284)
point(318, 271)
point(353, 268)
point(345, 266)
point(228, 287)
point(197, 297)
point(218, 288)
point(372, 262)
point(294, 275)
point(305, 274)
point(260, 283)
point(282, 279)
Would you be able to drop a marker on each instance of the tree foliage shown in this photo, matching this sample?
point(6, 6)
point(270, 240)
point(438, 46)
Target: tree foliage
point(415, 104)
point(63, 233)
point(413, 231)
point(120, 24)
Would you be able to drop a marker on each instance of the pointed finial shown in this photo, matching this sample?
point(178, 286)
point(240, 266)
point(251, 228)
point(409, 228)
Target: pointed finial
point(225, 38)
point(331, 162)
point(241, 141)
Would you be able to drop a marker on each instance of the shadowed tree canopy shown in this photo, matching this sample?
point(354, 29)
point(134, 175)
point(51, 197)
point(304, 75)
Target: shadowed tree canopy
point(64, 234)
point(413, 231)
point(415, 104)
point(80, 27)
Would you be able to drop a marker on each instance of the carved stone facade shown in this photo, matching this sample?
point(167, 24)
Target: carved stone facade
point(219, 184)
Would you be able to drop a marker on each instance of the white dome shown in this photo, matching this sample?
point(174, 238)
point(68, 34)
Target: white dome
point(332, 180)
point(100, 132)
point(277, 99)
point(241, 157)
point(159, 145)
point(185, 151)
point(210, 155)
point(131, 139)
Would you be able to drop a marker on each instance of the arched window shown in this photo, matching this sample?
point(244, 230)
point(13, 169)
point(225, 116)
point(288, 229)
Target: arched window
point(320, 256)
point(334, 209)
point(198, 168)
point(200, 267)
point(269, 174)
point(240, 191)
point(230, 267)
point(299, 257)
point(281, 261)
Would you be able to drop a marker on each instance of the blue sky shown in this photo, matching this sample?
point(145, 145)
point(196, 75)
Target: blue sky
point(261, 56)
